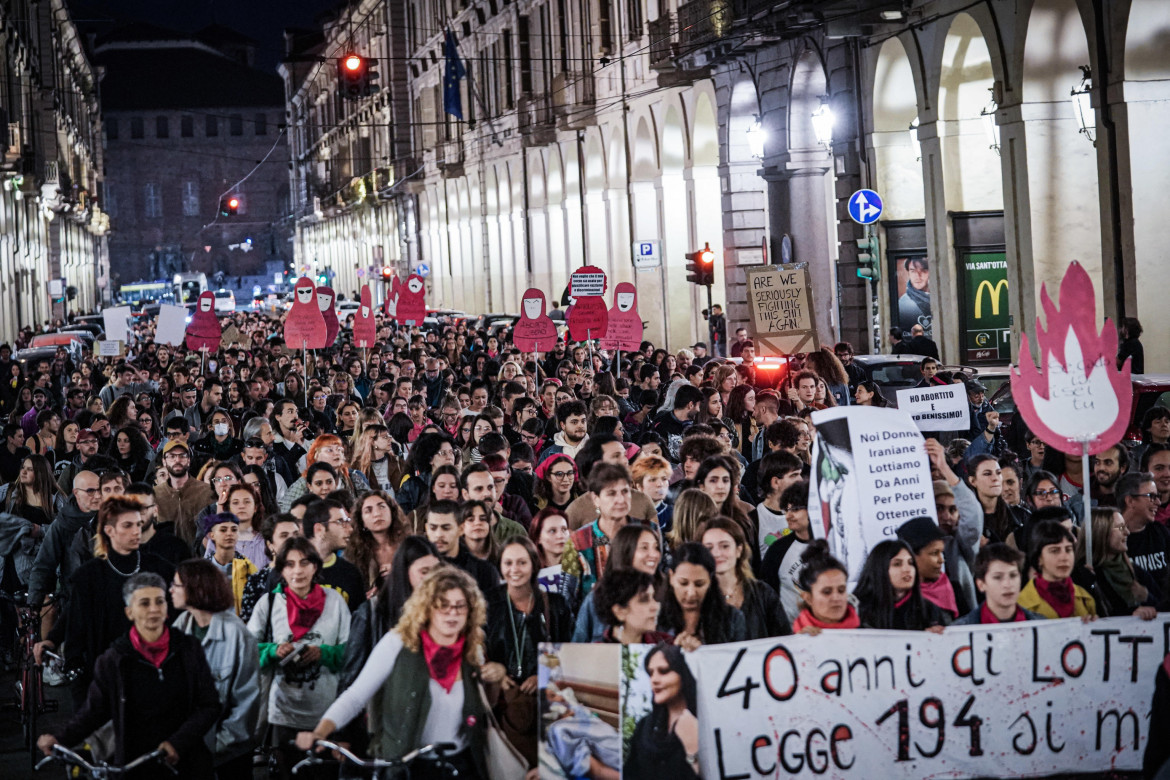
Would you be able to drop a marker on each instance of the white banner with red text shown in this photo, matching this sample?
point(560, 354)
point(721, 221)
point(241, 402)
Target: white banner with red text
point(1020, 700)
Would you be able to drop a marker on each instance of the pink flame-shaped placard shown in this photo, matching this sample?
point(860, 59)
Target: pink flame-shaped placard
point(1078, 395)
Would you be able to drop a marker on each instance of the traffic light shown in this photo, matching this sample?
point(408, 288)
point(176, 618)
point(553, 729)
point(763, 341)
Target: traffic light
point(229, 206)
point(387, 274)
point(356, 76)
point(701, 266)
point(869, 258)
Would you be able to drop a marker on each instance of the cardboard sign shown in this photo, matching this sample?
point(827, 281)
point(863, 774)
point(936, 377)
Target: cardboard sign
point(116, 321)
point(870, 473)
point(327, 303)
point(624, 330)
point(534, 331)
point(937, 408)
point(1078, 396)
point(780, 300)
point(109, 348)
point(587, 281)
point(411, 306)
point(304, 327)
point(1029, 699)
point(171, 327)
point(232, 337)
point(588, 319)
point(204, 330)
point(365, 328)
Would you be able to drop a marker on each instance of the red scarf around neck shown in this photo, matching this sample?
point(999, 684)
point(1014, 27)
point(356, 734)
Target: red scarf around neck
point(303, 612)
point(987, 616)
point(442, 660)
point(155, 652)
point(942, 594)
point(1059, 595)
point(806, 618)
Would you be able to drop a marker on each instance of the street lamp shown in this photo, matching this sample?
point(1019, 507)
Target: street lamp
point(822, 122)
point(1083, 105)
point(988, 114)
point(915, 144)
point(756, 137)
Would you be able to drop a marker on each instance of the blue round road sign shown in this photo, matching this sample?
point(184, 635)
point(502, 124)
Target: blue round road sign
point(423, 270)
point(865, 206)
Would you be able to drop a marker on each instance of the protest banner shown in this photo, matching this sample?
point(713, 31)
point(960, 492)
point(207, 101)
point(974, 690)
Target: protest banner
point(937, 408)
point(172, 325)
point(115, 321)
point(586, 282)
point(304, 327)
point(870, 473)
point(411, 306)
point(326, 302)
point(1006, 700)
point(1077, 401)
point(365, 327)
point(109, 348)
point(579, 702)
point(780, 299)
point(624, 330)
point(534, 331)
point(204, 331)
point(587, 317)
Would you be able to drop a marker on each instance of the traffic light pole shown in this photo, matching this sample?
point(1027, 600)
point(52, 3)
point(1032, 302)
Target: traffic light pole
point(708, 299)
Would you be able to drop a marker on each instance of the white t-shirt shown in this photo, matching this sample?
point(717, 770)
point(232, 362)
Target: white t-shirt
point(772, 526)
point(789, 568)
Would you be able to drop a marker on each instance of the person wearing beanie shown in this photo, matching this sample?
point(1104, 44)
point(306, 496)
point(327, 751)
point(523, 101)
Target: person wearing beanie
point(223, 530)
point(960, 518)
point(926, 542)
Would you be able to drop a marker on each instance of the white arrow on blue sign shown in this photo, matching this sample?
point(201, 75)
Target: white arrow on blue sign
point(865, 206)
point(423, 270)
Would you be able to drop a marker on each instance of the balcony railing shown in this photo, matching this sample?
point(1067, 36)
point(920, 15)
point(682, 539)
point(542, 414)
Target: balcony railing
point(663, 40)
point(703, 21)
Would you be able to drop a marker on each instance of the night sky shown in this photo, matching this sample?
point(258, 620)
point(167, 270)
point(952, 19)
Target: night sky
point(263, 20)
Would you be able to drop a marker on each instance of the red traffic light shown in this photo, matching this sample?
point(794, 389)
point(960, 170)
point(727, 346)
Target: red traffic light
point(707, 256)
point(387, 273)
point(233, 203)
point(353, 63)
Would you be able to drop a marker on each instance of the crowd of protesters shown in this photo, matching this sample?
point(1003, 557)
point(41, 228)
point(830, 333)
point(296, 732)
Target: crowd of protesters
point(238, 554)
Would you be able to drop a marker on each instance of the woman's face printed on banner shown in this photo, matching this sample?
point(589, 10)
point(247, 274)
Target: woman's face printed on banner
point(665, 683)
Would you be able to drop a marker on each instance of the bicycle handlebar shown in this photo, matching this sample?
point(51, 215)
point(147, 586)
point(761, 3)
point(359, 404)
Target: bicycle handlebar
point(62, 753)
point(437, 750)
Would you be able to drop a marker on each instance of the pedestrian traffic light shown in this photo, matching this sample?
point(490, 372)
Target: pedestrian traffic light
point(229, 206)
point(356, 76)
point(701, 266)
point(869, 258)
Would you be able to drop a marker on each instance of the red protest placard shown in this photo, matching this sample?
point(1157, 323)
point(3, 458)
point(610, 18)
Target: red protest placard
point(625, 323)
point(365, 328)
point(203, 331)
point(304, 327)
point(412, 305)
point(534, 332)
point(327, 303)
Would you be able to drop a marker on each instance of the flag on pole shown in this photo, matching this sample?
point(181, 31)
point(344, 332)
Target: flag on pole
point(452, 75)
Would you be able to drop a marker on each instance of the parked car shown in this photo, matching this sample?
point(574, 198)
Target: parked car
point(1149, 390)
point(30, 356)
point(225, 301)
point(55, 339)
point(891, 373)
point(346, 308)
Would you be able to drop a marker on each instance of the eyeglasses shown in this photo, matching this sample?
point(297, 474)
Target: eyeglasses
point(1054, 492)
point(221, 480)
point(561, 474)
point(88, 491)
point(452, 609)
point(1151, 496)
point(343, 520)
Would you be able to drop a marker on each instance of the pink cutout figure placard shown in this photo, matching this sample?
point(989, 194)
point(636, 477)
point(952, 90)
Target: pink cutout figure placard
point(1078, 396)
point(534, 331)
point(625, 324)
point(412, 304)
point(588, 318)
point(365, 328)
point(304, 327)
point(392, 299)
point(204, 331)
point(327, 303)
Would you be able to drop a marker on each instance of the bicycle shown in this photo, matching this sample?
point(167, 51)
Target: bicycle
point(436, 753)
point(101, 770)
point(30, 685)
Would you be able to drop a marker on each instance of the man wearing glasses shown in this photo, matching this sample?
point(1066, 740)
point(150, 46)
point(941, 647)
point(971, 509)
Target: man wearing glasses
point(77, 513)
point(181, 499)
point(1149, 541)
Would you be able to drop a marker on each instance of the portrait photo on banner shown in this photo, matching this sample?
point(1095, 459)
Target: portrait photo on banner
point(580, 711)
point(659, 700)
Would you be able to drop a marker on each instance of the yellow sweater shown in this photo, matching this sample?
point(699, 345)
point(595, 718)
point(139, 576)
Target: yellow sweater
point(1083, 603)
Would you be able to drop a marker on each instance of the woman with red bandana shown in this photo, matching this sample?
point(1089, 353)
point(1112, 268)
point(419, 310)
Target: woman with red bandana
point(1052, 593)
point(823, 587)
point(421, 680)
point(156, 687)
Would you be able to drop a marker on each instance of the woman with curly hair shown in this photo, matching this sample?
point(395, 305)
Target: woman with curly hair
point(428, 453)
point(131, 451)
point(825, 363)
point(122, 412)
point(378, 528)
point(421, 678)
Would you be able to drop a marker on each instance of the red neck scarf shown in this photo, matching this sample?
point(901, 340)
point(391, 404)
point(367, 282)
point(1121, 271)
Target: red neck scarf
point(941, 594)
point(155, 652)
point(442, 660)
point(987, 616)
point(303, 612)
point(806, 618)
point(1059, 595)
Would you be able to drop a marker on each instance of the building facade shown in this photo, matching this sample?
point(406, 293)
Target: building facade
point(190, 123)
point(1006, 139)
point(52, 229)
